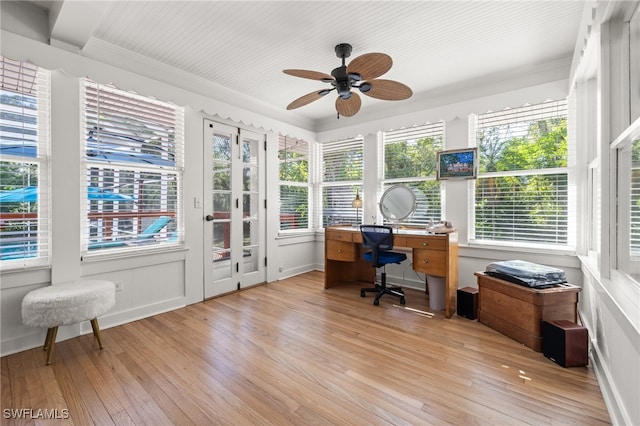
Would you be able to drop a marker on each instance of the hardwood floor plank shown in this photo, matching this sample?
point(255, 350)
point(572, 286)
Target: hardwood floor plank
point(292, 353)
point(180, 409)
point(6, 395)
point(81, 378)
point(73, 398)
point(17, 382)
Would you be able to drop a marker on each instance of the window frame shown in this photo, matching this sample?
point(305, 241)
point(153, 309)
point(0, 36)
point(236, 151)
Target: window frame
point(571, 244)
point(625, 263)
point(349, 187)
point(283, 183)
point(169, 174)
point(412, 135)
point(42, 161)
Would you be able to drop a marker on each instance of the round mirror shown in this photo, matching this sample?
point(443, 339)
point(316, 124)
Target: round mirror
point(398, 203)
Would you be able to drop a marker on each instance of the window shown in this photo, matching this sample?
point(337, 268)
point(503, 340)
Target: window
point(627, 147)
point(293, 155)
point(409, 158)
point(24, 164)
point(133, 170)
point(342, 174)
point(522, 193)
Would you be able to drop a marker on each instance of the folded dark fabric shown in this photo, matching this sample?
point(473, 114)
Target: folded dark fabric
point(527, 273)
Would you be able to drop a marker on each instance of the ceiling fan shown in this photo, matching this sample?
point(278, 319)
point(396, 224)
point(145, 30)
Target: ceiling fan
point(362, 73)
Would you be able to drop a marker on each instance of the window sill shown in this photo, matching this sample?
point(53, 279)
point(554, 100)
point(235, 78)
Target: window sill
point(282, 235)
point(623, 292)
point(126, 254)
point(298, 237)
point(523, 247)
point(551, 256)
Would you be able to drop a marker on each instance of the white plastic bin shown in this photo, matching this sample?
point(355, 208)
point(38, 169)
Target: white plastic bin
point(437, 292)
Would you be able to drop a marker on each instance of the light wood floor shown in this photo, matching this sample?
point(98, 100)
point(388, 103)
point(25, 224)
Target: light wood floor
point(291, 352)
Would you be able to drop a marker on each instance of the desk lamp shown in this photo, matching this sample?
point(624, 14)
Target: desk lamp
point(357, 204)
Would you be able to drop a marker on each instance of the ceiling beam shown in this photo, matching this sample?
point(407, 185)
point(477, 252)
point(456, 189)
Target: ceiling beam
point(71, 23)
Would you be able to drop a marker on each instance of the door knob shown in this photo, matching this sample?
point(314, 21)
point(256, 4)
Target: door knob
point(208, 218)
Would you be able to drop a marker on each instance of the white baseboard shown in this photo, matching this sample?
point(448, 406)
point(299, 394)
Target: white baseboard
point(618, 414)
point(35, 338)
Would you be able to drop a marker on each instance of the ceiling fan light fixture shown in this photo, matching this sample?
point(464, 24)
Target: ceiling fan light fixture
point(365, 87)
point(344, 89)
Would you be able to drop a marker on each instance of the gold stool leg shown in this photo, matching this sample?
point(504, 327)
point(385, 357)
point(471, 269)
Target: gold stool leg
point(96, 331)
point(47, 340)
point(50, 342)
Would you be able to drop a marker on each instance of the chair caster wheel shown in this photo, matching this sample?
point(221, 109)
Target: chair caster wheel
point(376, 302)
point(362, 294)
point(402, 301)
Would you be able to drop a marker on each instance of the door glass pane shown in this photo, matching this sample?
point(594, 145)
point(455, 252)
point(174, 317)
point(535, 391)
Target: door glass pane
point(221, 204)
point(250, 178)
point(221, 249)
point(222, 175)
point(250, 248)
point(221, 147)
point(221, 211)
point(250, 151)
point(250, 206)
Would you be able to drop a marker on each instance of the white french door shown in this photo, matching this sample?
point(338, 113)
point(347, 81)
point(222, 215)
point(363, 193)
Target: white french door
point(234, 209)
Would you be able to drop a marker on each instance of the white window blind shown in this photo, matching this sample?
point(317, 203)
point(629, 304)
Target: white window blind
point(634, 211)
point(522, 193)
point(24, 164)
point(133, 154)
point(342, 168)
point(293, 156)
point(410, 158)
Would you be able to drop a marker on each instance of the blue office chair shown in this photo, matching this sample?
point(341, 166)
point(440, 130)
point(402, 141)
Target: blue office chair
point(379, 239)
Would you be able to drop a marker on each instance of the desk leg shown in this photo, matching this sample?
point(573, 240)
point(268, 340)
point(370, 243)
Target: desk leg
point(452, 281)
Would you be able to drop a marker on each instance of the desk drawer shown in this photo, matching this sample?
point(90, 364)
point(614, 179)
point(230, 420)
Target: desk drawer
point(338, 235)
point(431, 243)
point(341, 250)
point(432, 262)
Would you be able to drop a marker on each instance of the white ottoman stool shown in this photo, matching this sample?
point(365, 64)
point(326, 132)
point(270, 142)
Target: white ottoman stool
point(66, 304)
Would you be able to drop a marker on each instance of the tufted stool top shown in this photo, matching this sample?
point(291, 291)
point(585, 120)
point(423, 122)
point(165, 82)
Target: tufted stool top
point(66, 304)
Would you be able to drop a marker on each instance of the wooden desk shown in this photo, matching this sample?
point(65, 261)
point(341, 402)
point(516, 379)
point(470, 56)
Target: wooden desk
point(435, 255)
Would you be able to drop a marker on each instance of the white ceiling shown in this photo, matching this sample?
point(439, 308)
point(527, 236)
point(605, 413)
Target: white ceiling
point(245, 45)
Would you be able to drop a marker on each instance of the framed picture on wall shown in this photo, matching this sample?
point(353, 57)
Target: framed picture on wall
point(457, 164)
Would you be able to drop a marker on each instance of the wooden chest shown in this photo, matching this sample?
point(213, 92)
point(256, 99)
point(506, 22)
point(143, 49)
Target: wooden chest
point(518, 311)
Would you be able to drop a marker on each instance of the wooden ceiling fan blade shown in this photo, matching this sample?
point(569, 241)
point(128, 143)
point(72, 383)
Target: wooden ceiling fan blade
point(348, 107)
point(306, 99)
point(388, 90)
point(312, 75)
point(370, 65)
